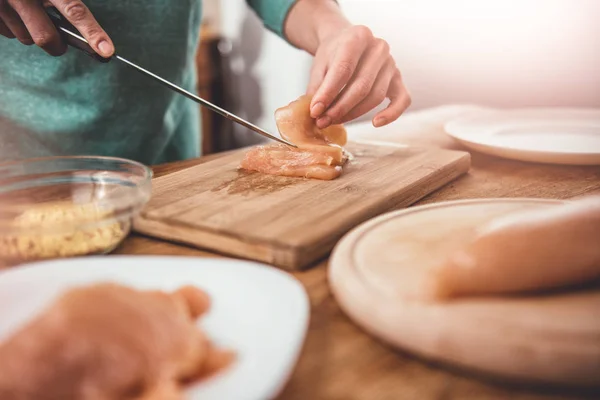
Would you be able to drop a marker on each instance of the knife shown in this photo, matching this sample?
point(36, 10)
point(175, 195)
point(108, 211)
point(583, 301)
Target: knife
point(74, 39)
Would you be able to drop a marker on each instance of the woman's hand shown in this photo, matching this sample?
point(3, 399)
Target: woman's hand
point(27, 21)
point(353, 72)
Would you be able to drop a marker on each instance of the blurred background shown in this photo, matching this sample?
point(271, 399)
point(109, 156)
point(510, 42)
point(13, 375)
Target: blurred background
point(498, 53)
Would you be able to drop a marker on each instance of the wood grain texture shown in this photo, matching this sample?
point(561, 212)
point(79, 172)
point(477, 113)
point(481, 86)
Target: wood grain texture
point(340, 361)
point(290, 222)
point(379, 271)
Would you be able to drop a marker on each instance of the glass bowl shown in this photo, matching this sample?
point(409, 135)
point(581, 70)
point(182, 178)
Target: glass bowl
point(68, 206)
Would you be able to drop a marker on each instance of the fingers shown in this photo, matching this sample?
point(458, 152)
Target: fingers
point(370, 68)
point(340, 71)
point(400, 101)
point(82, 19)
point(353, 73)
point(4, 31)
point(41, 30)
point(317, 74)
point(13, 22)
point(28, 22)
point(376, 96)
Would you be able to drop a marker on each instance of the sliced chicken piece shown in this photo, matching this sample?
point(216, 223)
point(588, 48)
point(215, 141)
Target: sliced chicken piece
point(319, 154)
point(524, 252)
point(110, 342)
point(297, 126)
point(285, 161)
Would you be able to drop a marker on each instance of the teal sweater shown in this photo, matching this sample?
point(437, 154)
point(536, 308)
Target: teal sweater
point(73, 105)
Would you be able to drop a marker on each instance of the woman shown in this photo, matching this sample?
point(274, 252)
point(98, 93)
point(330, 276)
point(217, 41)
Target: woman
point(74, 105)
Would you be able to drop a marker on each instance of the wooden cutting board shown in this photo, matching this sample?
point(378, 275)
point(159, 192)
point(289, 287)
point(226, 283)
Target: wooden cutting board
point(290, 222)
point(377, 274)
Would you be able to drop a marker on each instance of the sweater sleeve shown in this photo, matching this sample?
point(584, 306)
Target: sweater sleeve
point(273, 13)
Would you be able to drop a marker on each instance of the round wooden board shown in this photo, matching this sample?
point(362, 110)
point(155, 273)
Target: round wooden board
point(377, 269)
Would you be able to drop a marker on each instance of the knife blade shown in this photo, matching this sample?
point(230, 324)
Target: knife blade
point(74, 39)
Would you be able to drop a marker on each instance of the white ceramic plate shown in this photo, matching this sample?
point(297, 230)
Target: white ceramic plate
point(258, 311)
point(546, 135)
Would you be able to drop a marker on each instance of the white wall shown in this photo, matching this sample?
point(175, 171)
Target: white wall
point(267, 72)
point(491, 52)
point(494, 52)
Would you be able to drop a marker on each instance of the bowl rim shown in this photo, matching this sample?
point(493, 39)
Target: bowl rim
point(148, 172)
point(118, 213)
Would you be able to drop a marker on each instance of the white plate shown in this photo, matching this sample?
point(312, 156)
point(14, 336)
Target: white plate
point(546, 135)
point(258, 311)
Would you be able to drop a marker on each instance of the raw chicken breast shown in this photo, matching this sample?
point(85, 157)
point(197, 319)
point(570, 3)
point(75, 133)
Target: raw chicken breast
point(546, 249)
point(319, 154)
point(297, 126)
point(110, 342)
point(285, 161)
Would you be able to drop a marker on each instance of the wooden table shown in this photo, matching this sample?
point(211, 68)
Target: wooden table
point(339, 361)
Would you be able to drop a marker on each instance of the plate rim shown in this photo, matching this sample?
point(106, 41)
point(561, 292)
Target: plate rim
point(451, 128)
point(251, 263)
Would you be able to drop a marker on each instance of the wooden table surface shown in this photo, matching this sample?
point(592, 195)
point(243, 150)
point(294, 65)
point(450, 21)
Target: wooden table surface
point(341, 362)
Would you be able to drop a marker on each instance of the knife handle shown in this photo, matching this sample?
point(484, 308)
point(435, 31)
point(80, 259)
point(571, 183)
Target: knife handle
point(72, 36)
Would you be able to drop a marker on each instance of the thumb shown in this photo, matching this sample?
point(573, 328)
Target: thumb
point(83, 20)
